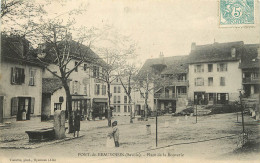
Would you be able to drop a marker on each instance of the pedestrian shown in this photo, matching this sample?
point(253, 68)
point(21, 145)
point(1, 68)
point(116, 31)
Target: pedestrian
point(115, 133)
point(76, 124)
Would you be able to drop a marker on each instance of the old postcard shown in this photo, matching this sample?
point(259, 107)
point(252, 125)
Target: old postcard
point(129, 81)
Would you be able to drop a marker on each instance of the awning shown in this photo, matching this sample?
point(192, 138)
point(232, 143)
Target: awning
point(79, 97)
point(104, 100)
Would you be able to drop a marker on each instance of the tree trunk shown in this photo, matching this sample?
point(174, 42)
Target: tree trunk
point(108, 107)
point(131, 113)
point(146, 105)
point(69, 105)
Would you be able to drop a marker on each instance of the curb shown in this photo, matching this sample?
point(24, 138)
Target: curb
point(38, 145)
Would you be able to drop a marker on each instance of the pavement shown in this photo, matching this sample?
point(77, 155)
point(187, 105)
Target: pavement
point(212, 137)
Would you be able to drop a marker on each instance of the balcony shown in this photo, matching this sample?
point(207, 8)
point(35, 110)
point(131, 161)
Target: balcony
point(178, 82)
point(251, 80)
point(169, 96)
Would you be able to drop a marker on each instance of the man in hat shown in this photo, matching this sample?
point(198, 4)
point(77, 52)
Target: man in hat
point(115, 133)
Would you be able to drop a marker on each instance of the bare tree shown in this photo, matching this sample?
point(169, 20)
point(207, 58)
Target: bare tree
point(59, 49)
point(146, 81)
point(126, 79)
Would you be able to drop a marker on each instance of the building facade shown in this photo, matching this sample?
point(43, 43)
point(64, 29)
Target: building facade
point(20, 82)
point(88, 91)
point(214, 73)
point(120, 100)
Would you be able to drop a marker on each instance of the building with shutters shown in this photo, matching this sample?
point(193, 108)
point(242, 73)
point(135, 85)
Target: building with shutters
point(87, 89)
point(120, 100)
point(20, 81)
point(214, 73)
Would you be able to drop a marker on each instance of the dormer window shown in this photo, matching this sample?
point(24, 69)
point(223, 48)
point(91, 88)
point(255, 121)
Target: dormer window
point(233, 52)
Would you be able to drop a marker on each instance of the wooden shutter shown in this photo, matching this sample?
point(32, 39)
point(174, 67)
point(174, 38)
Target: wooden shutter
point(32, 105)
point(12, 75)
point(22, 76)
point(14, 106)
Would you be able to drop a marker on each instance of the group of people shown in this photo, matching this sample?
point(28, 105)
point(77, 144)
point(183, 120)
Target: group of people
point(112, 137)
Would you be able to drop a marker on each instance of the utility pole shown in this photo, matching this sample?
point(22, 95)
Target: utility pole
point(156, 136)
point(242, 114)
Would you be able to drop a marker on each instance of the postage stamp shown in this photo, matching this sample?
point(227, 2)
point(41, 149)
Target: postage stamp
point(236, 12)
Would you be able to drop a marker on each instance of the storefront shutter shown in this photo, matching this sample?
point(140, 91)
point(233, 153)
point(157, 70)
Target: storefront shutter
point(32, 105)
point(14, 106)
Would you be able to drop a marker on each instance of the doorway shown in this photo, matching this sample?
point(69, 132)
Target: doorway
point(24, 104)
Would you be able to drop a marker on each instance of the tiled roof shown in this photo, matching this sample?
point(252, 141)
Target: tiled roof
point(171, 65)
point(50, 85)
point(250, 59)
point(88, 54)
point(17, 49)
point(216, 52)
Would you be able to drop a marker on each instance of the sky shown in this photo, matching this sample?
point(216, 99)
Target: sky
point(168, 26)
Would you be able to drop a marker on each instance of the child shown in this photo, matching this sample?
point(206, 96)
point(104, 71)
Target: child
point(115, 133)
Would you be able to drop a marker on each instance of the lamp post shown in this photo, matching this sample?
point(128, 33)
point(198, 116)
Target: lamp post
point(196, 100)
point(156, 135)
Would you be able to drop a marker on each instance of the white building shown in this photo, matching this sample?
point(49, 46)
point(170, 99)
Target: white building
point(20, 81)
point(214, 74)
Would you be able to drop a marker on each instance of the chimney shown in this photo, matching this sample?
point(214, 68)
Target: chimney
point(193, 46)
point(161, 55)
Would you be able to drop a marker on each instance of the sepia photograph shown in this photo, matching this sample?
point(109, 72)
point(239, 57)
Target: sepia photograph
point(129, 81)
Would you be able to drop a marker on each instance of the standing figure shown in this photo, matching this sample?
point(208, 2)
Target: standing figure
point(115, 133)
point(76, 124)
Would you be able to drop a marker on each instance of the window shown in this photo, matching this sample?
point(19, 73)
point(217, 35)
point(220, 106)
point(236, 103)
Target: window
point(97, 89)
point(210, 81)
point(85, 67)
point(222, 67)
point(32, 77)
point(222, 81)
point(17, 75)
point(114, 108)
point(199, 68)
point(85, 90)
point(114, 99)
point(125, 99)
point(57, 106)
point(125, 108)
point(114, 89)
point(142, 94)
point(129, 109)
point(95, 71)
point(210, 67)
point(103, 89)
point(118, 99)
point(118, 89)
point(118, 108)
point(76, 69)
point(75, 87)
point(199, 81)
